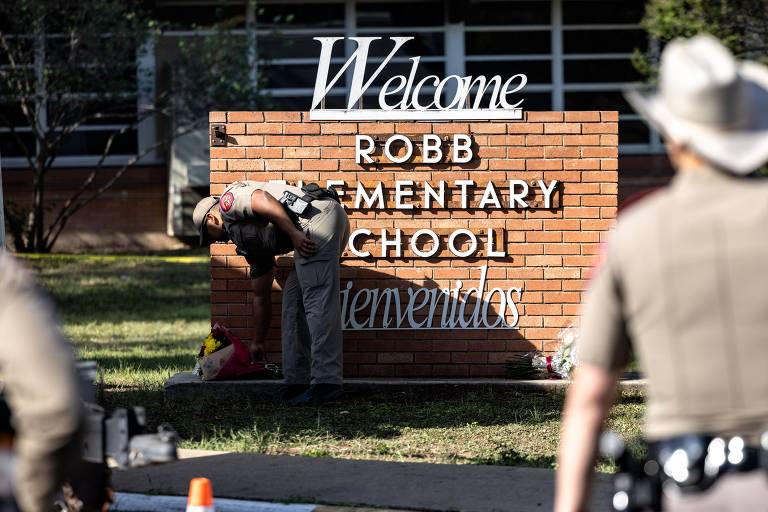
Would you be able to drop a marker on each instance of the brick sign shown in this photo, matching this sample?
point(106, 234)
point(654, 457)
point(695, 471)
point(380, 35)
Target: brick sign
point(470, 240)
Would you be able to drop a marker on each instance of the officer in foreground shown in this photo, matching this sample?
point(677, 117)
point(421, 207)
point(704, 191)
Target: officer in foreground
point(683, 283)
point(40, 385)
point(267, 219)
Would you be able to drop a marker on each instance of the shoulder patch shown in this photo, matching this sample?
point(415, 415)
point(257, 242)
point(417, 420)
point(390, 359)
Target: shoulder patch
point(226, 202)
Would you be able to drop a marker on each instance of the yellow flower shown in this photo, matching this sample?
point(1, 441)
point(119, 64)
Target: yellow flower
point(210, 345)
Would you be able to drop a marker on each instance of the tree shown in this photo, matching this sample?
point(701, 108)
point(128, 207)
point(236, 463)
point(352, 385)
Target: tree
point(67, 64)
point(216, 71)
point(742, 25)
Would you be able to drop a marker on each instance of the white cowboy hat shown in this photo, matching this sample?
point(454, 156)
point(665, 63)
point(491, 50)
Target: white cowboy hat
point(711, 103)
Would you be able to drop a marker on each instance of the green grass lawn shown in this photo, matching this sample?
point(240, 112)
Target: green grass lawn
point(142, 318)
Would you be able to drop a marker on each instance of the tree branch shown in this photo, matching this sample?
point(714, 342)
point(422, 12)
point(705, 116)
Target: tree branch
point(7, 122)
point(64, 212)
point(70, 208)
point(25, 88)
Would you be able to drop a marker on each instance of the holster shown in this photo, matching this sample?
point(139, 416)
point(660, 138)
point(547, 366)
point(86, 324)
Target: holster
point(301, 206)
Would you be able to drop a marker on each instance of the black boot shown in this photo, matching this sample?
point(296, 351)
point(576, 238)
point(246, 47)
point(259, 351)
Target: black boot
point(291, 391)
point(319, 394)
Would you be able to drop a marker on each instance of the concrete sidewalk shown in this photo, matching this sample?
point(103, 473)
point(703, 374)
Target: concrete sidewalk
point(410, 486)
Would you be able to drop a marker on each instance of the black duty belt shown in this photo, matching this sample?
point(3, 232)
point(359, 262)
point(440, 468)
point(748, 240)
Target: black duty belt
point(300, 205)
point(691, 463)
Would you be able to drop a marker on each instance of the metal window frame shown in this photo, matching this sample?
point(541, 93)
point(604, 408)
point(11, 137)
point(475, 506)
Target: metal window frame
point(73, 161)
point(146, 130)
point(652, 146)
point(508, 28)
point(454, 57)
point(556, 47)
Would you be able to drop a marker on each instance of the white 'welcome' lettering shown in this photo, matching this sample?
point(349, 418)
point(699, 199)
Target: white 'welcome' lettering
point(469, 92)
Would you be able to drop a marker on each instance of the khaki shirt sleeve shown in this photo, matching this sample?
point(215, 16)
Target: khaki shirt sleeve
point(235, 203)
point(604, 341)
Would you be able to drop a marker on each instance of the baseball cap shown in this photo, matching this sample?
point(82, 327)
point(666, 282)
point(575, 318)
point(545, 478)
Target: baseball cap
point(204, 206)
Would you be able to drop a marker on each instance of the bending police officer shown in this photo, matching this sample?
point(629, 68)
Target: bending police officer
point(264, 220)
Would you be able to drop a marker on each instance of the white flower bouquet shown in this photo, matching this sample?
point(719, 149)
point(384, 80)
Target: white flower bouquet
point(565, 359)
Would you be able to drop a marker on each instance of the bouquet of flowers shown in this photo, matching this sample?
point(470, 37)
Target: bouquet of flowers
point(211, 343)
point(223, 356)
point(535, 365)
point(561, 364)
point(523, 367)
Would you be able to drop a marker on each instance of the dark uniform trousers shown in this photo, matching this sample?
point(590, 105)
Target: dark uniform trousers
point(311, 320)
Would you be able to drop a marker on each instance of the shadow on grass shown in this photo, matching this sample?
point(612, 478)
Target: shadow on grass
point(126, 288)
point(138, 318)
point(508, 428)
point(509, 456)
point(381, 415)
point(632, 398)
point(153, 362)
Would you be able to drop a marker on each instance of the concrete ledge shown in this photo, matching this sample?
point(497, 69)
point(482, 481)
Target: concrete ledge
point(186, 386)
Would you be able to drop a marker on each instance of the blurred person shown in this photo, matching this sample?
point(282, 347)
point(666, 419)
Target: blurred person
point(264, 220)
point(40, 387)
point(683, 284)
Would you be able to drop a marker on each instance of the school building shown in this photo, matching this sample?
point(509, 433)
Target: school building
point(576, 55)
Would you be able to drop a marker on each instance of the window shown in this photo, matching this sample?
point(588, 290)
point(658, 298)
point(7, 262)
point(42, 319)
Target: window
point(598, 40)
point(510, 37)
point(90, 89)
point(288, 64)
point(602, 70)
point(285, 33)
point(508, 42)
point(582, 12)
point(575, 53)
point(9, 145)
point(424, 21)
point(399, 14)
point(507, 13)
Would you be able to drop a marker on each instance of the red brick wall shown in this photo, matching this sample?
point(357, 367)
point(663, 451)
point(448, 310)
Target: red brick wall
point(130, 215)
point(549, 251)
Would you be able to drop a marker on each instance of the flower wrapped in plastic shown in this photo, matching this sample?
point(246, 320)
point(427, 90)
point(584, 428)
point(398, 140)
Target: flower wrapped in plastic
point(224, 356)
point(560, 365)
point(210, 345)
point(566, 358)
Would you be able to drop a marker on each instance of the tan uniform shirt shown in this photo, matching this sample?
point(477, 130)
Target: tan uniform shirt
point(40, 385)
point(684, 280)
point(235, 202)
point(259, 240)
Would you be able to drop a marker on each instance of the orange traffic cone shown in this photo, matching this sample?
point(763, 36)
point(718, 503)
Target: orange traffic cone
point(200, 495)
